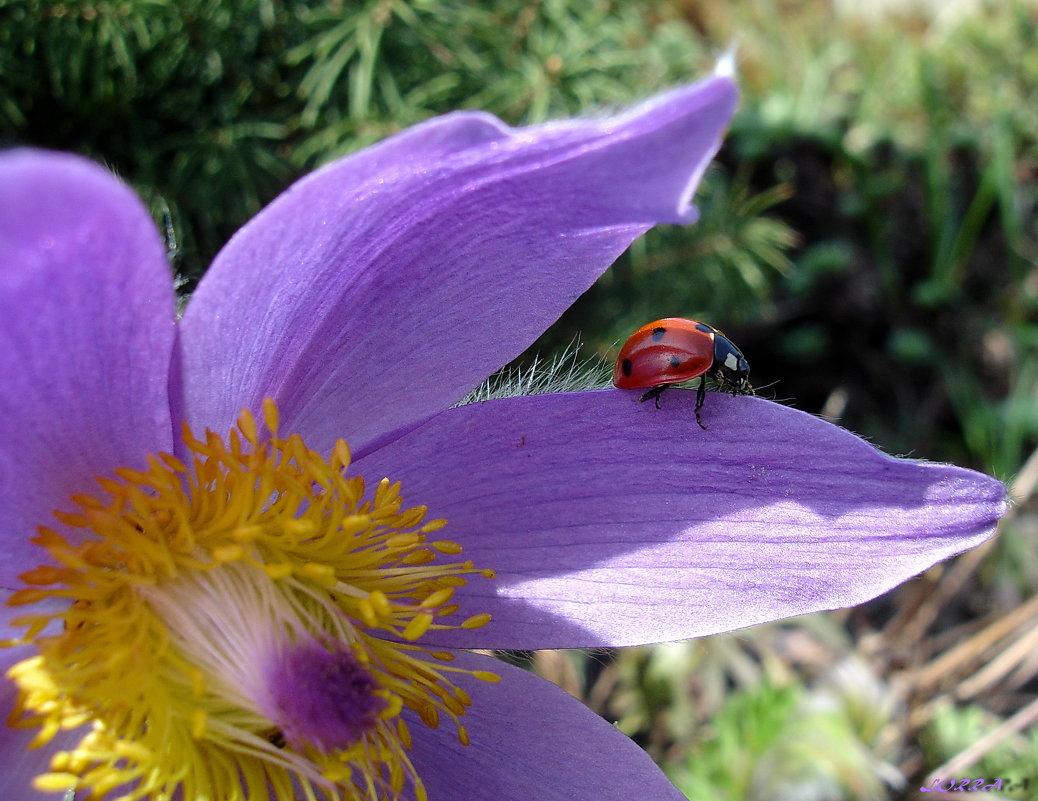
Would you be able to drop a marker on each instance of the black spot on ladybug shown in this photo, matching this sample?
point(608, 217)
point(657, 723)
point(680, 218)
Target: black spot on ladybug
point(706, 329)
point(675, 361)
point(625, 366)
point(657, 333)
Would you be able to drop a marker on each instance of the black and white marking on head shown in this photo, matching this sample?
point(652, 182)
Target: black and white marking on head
point(730, 369)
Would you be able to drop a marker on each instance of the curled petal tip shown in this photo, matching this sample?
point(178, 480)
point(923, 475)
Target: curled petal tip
point(726, 66)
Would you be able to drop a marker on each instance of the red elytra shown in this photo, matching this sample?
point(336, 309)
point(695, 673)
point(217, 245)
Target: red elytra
point(674, 349)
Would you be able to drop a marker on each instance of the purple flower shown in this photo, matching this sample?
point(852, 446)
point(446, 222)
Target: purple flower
point(205, 602)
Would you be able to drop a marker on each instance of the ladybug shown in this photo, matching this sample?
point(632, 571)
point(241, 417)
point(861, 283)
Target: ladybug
point(673, 350)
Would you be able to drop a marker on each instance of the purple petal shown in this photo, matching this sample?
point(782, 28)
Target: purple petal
point(610, 522)
point(382, 288)
point(19, 765)
point(86, 329)
point(530, 740)
point(11, 655)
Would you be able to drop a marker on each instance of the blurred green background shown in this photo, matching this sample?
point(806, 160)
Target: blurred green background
point(868, 238)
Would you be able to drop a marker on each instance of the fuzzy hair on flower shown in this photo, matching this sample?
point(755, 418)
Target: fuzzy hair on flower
point(247, 554)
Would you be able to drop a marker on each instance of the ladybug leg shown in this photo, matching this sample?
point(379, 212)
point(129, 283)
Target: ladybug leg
point(654, 394)
point(700, 397)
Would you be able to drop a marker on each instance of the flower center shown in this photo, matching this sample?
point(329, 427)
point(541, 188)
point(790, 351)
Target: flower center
point(243, 626)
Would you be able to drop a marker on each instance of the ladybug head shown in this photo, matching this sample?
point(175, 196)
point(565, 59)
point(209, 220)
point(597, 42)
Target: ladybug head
point(730, 370)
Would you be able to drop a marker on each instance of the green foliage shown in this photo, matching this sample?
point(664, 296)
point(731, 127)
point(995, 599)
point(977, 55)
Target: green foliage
point(721, 270)
point(957, 729)
point(402, 61)
point(187, 100)
point(210, 107)
point(771, 742)
point(909, 151)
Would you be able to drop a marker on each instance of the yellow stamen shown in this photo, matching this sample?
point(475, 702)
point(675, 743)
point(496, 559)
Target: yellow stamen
point(196, 576)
